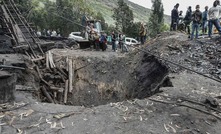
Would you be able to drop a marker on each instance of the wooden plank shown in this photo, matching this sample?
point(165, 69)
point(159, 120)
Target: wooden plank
point(66, 92)
point(70, 74)
point(47, 95)
point(62, 72)
point(47, 60)
point(51, 62)
point(37, 59)
point(57, 89)
point(19, 33)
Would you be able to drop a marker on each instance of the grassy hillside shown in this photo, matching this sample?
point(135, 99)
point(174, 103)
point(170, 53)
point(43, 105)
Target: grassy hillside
point(106, 8)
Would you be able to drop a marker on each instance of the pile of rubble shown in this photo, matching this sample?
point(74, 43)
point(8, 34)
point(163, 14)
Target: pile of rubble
point(202, 55)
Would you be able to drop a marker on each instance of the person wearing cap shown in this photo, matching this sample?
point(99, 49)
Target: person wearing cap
point(188, 19)
point(196, 20)
point(205, 20)
point(174, 17)
point(142, 33)
point(213, 15)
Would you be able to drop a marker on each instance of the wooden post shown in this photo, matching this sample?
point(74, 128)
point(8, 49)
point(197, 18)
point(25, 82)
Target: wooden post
point(66, 92)
point(70, 74)
point(73, 68)
point(47, 61)
point(47, 95)
point(67, 64)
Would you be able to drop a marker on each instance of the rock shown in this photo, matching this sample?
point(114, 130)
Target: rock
point(211, 102)
point(7, 87)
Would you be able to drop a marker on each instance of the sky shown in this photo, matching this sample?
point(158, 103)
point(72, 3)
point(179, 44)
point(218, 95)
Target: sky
point(169, 4)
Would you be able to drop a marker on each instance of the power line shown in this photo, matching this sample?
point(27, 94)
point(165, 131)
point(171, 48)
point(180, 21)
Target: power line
point(186, 68)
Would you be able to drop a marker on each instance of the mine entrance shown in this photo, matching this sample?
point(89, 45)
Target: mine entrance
point(98, 81)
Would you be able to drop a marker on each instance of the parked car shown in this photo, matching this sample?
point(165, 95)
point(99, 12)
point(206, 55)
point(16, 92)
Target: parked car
point(75, 36)
point(131, 41)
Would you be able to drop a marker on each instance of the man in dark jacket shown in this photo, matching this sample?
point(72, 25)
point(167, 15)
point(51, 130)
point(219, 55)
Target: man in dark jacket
point(196, 18)
point(187, 19)
point(174, 17)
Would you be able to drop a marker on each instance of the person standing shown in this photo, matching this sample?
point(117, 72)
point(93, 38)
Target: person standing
point(188, 19)
point(124, 46)
point(113, 37)
point(142, 33)
point(196, 18)
point(181, 24)
point(97, 42)
point(205, 20)
point(103, 41)
point(213, 15)
point(174, 18)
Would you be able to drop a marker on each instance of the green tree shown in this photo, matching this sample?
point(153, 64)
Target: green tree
point(156, 19)
point(123, 16)
point(62, 15)
point(133, 30)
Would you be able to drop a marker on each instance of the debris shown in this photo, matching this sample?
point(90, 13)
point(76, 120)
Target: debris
point(166, 128)
point(53, 125)
point(66, 92)
point(141, 119)
point(12, 67)
point(59, 116)
point(174, 130)
point(211, 102)
point(19, 131)
point(12, 120)
point(1, 116)
point(178, 104)
point(2, 124)
point(47, 95)
point(34, 125)
point(62, 126)
point(62, 115)
point(29, 112)
point(14, 108)
point(177, 126)
point(70, 75)
point(174, 114)
point(23, 88)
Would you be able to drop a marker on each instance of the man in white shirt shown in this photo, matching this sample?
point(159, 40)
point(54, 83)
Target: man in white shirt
point(213, 16)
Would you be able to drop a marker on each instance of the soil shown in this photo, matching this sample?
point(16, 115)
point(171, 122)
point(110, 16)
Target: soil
point(131, 101)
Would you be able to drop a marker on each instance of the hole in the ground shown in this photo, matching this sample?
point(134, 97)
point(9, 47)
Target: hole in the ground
point(98, 81)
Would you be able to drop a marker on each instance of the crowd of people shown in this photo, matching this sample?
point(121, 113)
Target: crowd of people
point(100, 40)
point(193, 20)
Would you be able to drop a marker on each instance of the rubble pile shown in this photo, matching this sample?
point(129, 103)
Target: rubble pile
point(202, 55)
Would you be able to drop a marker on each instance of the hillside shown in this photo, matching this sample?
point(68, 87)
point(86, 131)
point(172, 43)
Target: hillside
point(106, 8)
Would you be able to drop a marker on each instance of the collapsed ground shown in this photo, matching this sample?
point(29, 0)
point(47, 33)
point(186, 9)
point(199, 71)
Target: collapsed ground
point(111, 79)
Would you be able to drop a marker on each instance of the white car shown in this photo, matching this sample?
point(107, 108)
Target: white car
point(75, 36)
point(131, 41)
